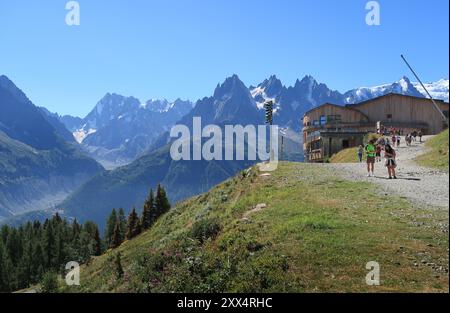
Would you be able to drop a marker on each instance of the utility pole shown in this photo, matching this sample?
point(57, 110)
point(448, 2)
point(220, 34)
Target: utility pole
point(429, 95)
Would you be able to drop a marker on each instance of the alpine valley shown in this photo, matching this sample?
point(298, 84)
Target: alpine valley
point(51, 162)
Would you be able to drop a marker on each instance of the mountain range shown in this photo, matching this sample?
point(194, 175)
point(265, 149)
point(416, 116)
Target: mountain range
point(122, 130)
point(40, 164)
point(292, 102)
point(119, 129)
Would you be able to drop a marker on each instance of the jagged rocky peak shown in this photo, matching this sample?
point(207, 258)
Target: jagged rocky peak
point(232, 85)
point(272, 86)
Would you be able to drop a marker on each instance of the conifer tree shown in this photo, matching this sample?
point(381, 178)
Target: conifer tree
point(76, 229)
point(133, 225)
point(122, 224)
point(38, 262)
point(49, 245)
point(162, 204)
point(13, 246)
point(4, 287)
point(147, 211)
point(97, 242)
point(110, 225)
point(29, 251)
point(117, 237)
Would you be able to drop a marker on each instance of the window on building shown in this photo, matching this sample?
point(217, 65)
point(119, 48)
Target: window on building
point(323, 120)
point(333, 118)
point(316, 123)
point(389, 117)
point(445, 113)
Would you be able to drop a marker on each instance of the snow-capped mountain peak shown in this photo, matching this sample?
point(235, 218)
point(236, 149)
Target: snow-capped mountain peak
point(402, 86)
point(157, 105)
point(438, 90)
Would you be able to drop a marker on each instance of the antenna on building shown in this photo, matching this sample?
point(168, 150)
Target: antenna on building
point(429, 95)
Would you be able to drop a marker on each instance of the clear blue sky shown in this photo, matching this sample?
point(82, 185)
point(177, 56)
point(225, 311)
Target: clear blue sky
point(183, 48)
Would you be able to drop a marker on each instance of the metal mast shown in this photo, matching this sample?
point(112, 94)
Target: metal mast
point(434, 102)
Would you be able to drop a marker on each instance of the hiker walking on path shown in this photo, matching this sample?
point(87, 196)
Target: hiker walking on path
point(391, 164)
point(370, 152)
point(408, 140)
point(420, 135)
point(398, 140)
point(360, 153)
point(414, 135)
point(394, 139)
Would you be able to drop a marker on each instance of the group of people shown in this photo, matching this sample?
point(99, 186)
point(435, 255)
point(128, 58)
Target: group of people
point(373, 152)
point(386, 143)
point(412, 137)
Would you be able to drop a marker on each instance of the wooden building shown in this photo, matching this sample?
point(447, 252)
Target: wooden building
point(329, 128)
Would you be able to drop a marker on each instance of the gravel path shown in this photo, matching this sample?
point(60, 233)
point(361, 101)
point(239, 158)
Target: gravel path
point(418, 184)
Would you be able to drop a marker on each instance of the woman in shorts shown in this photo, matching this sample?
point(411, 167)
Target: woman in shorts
point(391, 164)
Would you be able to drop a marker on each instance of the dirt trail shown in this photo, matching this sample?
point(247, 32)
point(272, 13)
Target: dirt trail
point(419, 184)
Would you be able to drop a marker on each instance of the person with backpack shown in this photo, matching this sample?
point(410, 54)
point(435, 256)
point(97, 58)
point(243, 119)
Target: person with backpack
point(391, 164)
point(414, 135)
point(408, 140)
point(370, 153)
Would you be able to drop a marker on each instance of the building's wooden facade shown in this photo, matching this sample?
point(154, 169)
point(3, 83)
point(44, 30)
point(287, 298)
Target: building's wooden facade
point(405, 112)
point(330, 128)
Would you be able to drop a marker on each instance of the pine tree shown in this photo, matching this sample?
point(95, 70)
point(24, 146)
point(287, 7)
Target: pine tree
point(147, 211)
point(162, 204)
point(49, 245)
point(86, 247)
point(13, 246)
point(97, 242)
point(110, 225)
point(122, 224)
point(4, 286)
point(25, 271)
point(76, 229)
point(29, 251)
point(117, 237)
point(38, 262)
point(8, 278)
point(133, 225)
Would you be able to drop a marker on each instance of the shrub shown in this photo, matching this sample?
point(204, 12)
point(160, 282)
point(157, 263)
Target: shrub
point(205, 229)
point(49, 283)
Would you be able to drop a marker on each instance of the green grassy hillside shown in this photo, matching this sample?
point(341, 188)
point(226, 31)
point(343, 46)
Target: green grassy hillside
point(349, 155)
point(437, 157)
point(314, 233)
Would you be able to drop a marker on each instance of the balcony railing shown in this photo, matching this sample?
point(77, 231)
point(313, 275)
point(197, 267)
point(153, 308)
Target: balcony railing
point(330, 126)
point(314, 155)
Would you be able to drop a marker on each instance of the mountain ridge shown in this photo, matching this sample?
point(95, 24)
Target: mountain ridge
point(38, 167)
